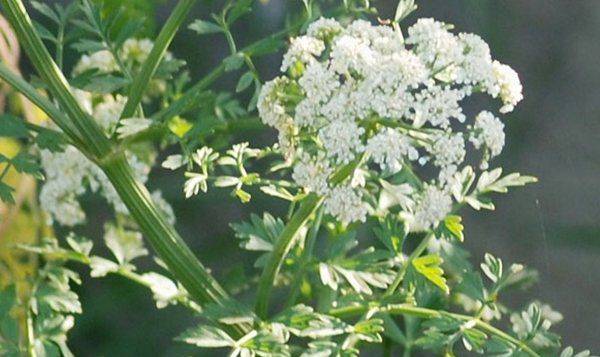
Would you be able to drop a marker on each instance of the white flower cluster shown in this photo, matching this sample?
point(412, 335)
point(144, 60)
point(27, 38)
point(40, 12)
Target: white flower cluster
point(70, 174)
point(362, 94)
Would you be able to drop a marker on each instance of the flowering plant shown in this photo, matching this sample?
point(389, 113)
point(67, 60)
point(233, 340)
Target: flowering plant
point(375, 156)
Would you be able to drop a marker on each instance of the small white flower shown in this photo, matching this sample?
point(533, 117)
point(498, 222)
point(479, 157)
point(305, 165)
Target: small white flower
point(511, 90)
point(270, 108)
point(108, 111)
point(102, 61)
point(302, 49)
point(489, 131)
point(351, 53)
point(437, 105)
point(448, 149)
point(432, 206)
point(342, 140)
point(345, 204)
point(324, 28)
point(313, 173)
point(389, 149)
point(435, 44)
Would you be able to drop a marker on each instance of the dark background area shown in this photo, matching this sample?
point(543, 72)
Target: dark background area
point(554, 134)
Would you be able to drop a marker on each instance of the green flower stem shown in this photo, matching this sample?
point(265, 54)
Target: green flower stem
point(286, 239)
point(140, 83)
point(305, 259)
point(425, 313)
point(415, 254)
point(282, 247)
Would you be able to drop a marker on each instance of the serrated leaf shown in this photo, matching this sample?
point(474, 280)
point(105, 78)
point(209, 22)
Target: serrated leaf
point(50, 140)
point(6, 193)
point(125, 245)
point(429, 267)
point(206, 336)
point(12, 126)
point(27, 164)
point(260, 234)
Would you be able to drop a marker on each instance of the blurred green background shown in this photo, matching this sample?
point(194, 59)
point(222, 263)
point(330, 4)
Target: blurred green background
point(553, 226)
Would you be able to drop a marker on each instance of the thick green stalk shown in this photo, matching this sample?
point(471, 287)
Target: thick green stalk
point(140, 83)
point(425, 313)
point(282, 247)
point(202, 287)
point(415, 254)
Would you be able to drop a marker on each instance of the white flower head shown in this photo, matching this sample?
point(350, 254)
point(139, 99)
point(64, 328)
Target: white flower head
point(432, 206)
point(324, 28)
point(435, 44)
point(345, 203)
point(302, 49)
point(511, 90)
point(313, 173)
point(390, 149)
point(489, 131)
point(270, 107)
point(448, 149)
point(342, 140)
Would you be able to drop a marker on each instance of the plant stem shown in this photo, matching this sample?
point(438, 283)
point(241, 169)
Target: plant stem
point(305, 258)
point(285, 241)
point(421, 312)
point(202, 287)
point(44, 104)
point(280, 251)
point(415, 254)
point(30, 334)
point(139, 84)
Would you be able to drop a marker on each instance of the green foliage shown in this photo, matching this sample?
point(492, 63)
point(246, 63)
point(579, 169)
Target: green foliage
point(356, 286)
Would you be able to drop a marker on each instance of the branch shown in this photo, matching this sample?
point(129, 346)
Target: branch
point(138, 87)
point(421, 312)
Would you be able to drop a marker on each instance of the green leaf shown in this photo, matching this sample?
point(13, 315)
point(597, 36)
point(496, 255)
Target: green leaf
point(202, 27)
point(27, 164)
point(58, 299)
point(6, 193)
point(12, 126)
point(472, 286)
point(8, 299)
point(206, 336)
point(240, 8)
point(392, 232)
point(429, 267)
point(259, 234)
point(404, 8)
point(50, 140)
point(244, 82)
point(451, 227)
point(233, 62)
